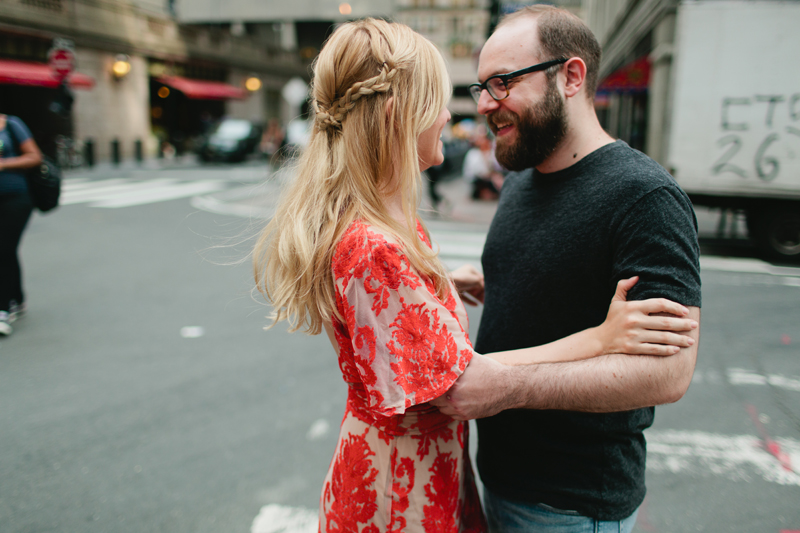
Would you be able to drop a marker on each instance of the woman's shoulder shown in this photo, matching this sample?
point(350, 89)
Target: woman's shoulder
point(21, 131)
point(362, 232)
point(367, 246)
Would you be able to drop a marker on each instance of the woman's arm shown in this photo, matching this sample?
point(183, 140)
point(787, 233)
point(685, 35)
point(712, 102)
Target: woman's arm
point(469, 284)
point(629, 328)
point(31, 156)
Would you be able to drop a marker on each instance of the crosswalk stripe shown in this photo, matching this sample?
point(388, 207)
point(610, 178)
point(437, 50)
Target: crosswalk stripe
point(106, 191)
point(163, 194)
point(121, 192)
point(79, 184)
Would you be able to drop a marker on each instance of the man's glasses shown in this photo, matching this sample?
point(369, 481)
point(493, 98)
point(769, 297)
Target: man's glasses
point(497, 86)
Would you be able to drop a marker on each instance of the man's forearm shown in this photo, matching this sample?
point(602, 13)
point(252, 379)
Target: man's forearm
point(603, 384)
point(608, 383)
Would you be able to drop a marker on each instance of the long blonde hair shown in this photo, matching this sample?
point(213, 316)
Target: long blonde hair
point(377, 86)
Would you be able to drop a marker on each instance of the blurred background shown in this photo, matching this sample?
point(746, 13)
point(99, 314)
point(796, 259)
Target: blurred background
point(140, 392)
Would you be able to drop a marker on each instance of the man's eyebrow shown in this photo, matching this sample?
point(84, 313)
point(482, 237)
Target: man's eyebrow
point(497, 72)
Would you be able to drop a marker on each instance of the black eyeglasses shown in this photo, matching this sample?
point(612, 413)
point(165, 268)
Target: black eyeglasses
point(498, 85)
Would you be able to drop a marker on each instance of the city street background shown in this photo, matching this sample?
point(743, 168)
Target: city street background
point(141, 392)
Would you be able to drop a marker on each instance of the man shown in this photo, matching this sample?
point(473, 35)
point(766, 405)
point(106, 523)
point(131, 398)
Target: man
point(561, 445)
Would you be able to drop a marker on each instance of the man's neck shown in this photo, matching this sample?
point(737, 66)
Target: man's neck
point(584, 136)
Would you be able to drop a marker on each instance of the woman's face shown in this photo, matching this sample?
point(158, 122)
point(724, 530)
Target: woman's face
point(429, 143)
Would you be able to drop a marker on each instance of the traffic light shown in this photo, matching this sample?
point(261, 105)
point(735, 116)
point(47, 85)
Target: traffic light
point(62, 101)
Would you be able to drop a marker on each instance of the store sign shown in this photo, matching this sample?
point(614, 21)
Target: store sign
point(61, 58)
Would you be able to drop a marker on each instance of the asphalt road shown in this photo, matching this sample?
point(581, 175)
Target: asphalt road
point(141, 392)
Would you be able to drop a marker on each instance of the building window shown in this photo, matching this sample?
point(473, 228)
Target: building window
point(50, 5)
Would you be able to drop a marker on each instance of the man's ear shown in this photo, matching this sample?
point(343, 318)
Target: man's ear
point(575, 70)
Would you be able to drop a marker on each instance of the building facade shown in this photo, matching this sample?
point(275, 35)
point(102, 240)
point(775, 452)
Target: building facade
point(151, 79)
point(637, 38)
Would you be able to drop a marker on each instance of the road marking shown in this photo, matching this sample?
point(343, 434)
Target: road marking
point(118, 192)
point(318, 429)
point(735, 457)
point(192, 332)
point(282, 519)
point(693, 453)
point(743, 377)
point(746, 265)
point(182, 190)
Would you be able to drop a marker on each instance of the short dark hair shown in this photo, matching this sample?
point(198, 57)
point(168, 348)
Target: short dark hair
point(563, 34)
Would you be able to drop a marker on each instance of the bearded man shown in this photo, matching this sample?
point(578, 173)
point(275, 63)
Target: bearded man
point(561, 446)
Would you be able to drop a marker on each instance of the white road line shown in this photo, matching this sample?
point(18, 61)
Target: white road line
point(107, 190)
point(745, 265)
point(740, 458)
point(77, 184)
point(735, 457)
point(282, 519)
point(743, 377)
point(162, 194)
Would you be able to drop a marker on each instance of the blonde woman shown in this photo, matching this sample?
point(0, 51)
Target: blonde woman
point(346, 252)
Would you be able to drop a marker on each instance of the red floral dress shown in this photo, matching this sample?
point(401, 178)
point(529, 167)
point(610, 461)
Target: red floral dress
point(399, 465)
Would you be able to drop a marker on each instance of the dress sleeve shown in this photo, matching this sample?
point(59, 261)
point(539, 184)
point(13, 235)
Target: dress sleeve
point(408, 345)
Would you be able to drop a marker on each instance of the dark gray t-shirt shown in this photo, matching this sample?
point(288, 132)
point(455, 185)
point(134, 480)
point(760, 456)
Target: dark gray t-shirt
point(555, 251)
point(14, 134)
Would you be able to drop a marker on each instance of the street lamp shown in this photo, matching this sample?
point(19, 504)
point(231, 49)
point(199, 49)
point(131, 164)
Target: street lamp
point(121, 66)
point(252, 84)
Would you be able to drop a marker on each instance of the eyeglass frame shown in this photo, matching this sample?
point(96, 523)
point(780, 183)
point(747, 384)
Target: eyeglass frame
point(511, 75)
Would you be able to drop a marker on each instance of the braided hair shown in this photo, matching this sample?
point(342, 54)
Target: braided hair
point(377, 86)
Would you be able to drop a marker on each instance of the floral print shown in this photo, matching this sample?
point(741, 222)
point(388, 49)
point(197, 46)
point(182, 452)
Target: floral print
point(400, 465)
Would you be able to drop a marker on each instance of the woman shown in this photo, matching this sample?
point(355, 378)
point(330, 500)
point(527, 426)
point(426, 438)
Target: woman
point(18, 152)
point(346, 252)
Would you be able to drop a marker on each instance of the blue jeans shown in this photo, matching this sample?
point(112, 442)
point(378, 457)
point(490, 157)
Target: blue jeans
point(506, 516)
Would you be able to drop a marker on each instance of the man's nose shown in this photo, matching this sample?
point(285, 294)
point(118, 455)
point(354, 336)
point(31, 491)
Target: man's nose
point(486, 104)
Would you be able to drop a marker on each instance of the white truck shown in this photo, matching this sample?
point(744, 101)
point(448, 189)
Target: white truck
point(734, 124)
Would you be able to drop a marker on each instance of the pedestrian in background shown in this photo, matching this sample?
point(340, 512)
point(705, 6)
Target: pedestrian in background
point(481, 169)
point(346, 252)
point(18, 152)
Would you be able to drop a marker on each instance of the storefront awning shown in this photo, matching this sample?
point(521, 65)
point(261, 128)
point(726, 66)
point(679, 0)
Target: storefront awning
point(38, 75)
point(202, 89)
point(633, 77)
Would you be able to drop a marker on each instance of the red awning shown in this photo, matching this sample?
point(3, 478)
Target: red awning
point(633, 77)
point(202, 89)
point(38, 75)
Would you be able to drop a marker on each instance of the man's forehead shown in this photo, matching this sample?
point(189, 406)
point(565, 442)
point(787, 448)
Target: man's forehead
point(510, 48)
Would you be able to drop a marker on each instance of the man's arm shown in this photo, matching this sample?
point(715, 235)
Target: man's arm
point(608, 383)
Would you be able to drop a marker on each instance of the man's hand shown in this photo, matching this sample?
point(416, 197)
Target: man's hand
point(469, 284)
point(484, 389)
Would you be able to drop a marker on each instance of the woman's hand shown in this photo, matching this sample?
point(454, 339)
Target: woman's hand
point(469, 284)
point(631, 328)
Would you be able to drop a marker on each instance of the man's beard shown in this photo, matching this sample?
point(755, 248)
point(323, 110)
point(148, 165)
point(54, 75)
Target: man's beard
point(540, 129)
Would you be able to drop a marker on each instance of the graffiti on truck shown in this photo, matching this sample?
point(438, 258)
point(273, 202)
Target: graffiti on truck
point(777, 117)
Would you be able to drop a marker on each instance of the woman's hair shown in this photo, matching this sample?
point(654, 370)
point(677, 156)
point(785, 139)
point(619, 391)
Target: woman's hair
point(377, 86)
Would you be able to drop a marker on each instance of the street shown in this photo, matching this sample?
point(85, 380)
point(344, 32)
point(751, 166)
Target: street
point(142, 394)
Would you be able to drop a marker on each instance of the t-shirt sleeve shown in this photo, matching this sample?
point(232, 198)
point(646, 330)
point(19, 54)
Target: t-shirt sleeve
point(20, 131)
point(408, 345)
point(657, 241)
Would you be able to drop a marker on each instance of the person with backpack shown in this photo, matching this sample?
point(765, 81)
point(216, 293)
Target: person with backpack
point(18, 153)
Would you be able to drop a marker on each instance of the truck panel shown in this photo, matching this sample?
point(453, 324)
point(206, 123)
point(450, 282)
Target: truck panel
point(735, 128)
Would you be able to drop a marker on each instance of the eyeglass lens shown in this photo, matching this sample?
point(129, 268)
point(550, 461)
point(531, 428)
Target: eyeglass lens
point(495, 86)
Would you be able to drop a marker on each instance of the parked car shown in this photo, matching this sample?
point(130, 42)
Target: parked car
point(231, 140)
